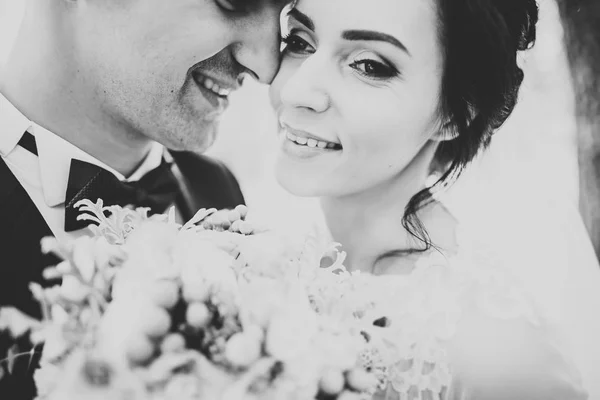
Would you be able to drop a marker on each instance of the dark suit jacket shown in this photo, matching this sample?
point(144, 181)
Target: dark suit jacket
point(204, 183)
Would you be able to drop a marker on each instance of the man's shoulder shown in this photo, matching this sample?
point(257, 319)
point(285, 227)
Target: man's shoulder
point(202, 169)
point(209, 178)
point(195, 163)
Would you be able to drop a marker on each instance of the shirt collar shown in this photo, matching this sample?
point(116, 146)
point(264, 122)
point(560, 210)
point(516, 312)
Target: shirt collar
point(12, 126)
point(55, 153)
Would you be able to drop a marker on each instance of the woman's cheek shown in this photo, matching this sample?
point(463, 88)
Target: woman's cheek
point(286, 70)
point(275, 90)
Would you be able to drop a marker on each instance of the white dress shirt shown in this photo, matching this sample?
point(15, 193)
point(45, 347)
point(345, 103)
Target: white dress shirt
point(45, 176)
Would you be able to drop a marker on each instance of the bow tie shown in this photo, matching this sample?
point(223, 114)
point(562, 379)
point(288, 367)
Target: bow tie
point(157, 189)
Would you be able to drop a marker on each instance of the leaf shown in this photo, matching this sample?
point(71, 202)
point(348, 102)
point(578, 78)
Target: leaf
point(171, 219)
point(88, 217)
point(117, 225)
point(95, 209)
point(16, 323)
point(11, 356)
point(51, 245)
point(200, 216)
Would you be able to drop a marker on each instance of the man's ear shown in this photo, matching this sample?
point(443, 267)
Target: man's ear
point(446, 132)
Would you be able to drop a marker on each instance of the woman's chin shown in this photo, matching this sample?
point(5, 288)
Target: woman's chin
point(296, 187)
point(312, 176)
point(298, 184)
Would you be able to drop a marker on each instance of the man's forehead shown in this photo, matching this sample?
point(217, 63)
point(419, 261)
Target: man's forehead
point(258, 3)
point(284, 2)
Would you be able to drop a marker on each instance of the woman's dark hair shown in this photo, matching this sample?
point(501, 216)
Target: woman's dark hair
point(480, 84)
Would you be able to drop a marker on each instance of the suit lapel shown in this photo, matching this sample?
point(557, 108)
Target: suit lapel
point(21, 262)
point(21, 229)
point(184, 201)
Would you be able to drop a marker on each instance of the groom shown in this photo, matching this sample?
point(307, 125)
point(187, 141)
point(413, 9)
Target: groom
point(92, 94)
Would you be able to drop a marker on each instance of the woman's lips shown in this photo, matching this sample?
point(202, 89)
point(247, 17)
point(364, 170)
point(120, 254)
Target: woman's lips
point(303, 138)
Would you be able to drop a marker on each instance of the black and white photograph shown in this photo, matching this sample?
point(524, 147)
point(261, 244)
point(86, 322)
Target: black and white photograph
point(299, 200)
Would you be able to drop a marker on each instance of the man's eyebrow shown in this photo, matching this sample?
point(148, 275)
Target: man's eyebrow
point(302, 18)
point(374, 36)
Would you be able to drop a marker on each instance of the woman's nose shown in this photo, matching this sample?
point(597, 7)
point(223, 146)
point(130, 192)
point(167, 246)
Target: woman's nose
point(306, 87)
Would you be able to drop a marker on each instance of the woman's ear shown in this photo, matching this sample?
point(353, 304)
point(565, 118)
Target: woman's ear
point(446, 132)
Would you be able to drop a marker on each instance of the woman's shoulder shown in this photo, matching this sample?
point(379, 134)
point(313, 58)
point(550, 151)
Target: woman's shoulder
point(480, 328)
point(502, 358)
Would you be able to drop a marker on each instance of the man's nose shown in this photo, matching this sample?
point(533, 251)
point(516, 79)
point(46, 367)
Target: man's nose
point(258, 48)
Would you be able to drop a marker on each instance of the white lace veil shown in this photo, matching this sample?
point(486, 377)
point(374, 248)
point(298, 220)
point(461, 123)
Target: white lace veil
point(544, 244)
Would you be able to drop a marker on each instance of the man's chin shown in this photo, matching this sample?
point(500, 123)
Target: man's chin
point(197, 141)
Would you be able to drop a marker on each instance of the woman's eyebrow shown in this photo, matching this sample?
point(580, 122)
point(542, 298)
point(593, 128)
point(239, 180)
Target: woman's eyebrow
point(374, 36)
point(353, 35)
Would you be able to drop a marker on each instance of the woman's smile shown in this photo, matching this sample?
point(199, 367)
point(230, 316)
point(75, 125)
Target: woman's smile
point(301, 144)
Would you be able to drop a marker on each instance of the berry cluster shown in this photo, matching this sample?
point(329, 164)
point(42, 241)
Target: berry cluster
point(184, 314)
point(189, 316)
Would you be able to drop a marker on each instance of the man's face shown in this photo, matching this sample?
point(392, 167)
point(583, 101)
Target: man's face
point(164, 69)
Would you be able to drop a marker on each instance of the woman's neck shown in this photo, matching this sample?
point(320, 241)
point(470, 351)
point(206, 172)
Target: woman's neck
point(369, 223)
point(60, 99)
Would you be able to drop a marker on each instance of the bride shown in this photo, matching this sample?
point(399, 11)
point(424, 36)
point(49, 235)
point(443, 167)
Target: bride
point(381, 105)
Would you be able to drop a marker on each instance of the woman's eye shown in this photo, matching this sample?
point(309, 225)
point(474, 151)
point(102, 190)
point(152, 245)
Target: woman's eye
point(295, 44)
point(374, 69)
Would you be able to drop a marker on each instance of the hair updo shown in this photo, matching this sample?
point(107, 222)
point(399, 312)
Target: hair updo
point(480, 84)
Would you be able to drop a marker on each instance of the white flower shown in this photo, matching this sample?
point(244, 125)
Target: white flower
point(75, 285)
point(120, 323)
point(292, 328)
point(202, 262)
point(270, 254)
point(260, 298)
point(83, 257)
point(73, 289)
point(55, 342)
point(340, 351)
point(74, 380)
point(46, 378)
point(149, 247)
point(149, 258)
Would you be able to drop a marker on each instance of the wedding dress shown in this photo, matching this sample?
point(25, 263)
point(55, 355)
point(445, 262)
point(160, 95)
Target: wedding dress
point(513, 313)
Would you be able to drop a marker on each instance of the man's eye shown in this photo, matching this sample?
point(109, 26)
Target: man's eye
point(374, 69)
point(295, 44)
point(231, 5)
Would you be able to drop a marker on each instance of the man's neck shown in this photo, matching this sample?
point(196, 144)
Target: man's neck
point(41, 80)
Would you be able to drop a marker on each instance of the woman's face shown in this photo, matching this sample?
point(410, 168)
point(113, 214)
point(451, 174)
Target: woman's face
point(358, 93)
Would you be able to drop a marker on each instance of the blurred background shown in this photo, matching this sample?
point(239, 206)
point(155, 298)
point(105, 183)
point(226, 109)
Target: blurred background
point(532, 158)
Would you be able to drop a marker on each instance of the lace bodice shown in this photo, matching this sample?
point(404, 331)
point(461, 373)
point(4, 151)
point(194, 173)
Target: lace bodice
point(441, 315)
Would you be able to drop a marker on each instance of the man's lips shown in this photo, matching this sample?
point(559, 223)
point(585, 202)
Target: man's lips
point(219, 86)
point(215, 91)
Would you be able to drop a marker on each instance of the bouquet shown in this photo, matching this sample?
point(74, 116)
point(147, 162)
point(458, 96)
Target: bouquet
point(150, 309)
